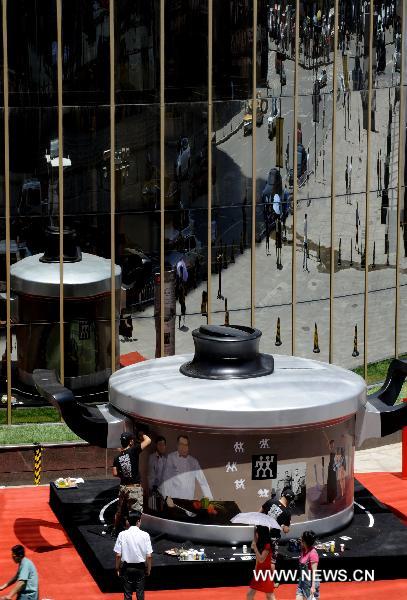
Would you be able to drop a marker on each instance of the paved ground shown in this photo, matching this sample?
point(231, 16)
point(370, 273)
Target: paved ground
point(274, 286)
point(381, 459)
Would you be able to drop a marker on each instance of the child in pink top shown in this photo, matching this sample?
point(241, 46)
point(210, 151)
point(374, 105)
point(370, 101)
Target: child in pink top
point(308, 584)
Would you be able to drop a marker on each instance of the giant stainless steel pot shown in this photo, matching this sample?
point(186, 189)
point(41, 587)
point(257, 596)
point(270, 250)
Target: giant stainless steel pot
point(36, 290)
point(240, 426)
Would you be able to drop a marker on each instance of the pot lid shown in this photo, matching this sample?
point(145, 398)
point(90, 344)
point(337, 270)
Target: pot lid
point(88, 277)
point(300, 392)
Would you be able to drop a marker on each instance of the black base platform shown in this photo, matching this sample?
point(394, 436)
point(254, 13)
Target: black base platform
point(378, 542)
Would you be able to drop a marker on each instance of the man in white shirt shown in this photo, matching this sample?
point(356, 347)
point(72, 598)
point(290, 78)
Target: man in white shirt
point(133, 557)
point(180, 473)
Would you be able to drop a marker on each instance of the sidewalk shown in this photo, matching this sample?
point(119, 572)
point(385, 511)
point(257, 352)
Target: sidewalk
point(380, 459)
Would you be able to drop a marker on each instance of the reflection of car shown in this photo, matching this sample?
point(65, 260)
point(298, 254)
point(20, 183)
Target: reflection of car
point(322, 79)
point(261, 109)
point(272, 119)
point(136, 268)
point(183, 161)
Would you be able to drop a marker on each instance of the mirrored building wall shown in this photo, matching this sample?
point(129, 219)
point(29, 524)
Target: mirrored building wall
point(238, 162)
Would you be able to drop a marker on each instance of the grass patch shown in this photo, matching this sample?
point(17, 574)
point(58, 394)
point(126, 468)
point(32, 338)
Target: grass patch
point(377, 371)
point(31, 433)
point(43, 414)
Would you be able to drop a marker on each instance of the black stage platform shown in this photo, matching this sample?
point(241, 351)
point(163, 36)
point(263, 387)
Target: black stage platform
point(378, 541)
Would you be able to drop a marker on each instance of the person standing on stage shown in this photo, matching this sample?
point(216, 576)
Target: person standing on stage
point(181, 473)
point(25, 580)
point(133, 557)
point(126, 466)
point(280, 512)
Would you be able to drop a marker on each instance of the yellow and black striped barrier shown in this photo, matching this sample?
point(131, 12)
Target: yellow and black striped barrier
point(37, 463)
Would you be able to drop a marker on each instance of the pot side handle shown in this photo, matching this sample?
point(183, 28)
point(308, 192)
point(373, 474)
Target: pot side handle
point(100, 425)
point(381, 416)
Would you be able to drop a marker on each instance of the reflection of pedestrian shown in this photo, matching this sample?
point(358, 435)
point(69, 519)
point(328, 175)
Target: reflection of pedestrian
point(346, 180)
point(26, 578)
point(287, 154)
point(350, 167)
point(305, 246)
point(267, 224)
point(182, 303)
point(357, 227)
point(279, 236)
point(181, 472)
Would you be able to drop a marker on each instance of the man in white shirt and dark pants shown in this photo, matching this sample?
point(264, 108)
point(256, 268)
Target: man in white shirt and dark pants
point(133, 557)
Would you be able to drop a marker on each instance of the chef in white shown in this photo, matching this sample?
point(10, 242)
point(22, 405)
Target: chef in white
point(180, 473)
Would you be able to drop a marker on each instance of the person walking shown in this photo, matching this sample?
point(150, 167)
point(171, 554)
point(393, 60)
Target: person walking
point(182, 303)
point(346, 181)
point(133, 558)
point(279, 242)
point(262, 580)
point(25, 580)
point(308, 584)
point(305, 246)
point(126, 466)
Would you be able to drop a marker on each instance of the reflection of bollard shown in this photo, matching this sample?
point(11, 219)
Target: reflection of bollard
point(363, 258)
point(340, 253)
point(278, 341)
point(355, 343)
point(316, 349)
point(374, 256)
point(319, 251)
point(232, 252)
point(37, 463)
point(351, 252)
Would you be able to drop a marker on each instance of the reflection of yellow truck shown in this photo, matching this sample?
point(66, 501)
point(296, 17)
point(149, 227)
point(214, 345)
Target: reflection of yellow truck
point(261, 109)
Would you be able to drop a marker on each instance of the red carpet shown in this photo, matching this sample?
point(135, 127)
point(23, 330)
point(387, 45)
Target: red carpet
point(26, 518)
point(131, 358)
point(389, 488)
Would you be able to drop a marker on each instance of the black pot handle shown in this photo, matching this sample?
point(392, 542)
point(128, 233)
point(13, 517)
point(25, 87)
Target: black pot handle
point(382, 416)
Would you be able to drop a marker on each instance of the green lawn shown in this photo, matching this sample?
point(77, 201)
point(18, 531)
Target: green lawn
point(44, 414)
point(31, 433)
point(376, 371)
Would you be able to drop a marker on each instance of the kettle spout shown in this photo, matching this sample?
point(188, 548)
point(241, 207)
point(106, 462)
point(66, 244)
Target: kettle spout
point(100, 425)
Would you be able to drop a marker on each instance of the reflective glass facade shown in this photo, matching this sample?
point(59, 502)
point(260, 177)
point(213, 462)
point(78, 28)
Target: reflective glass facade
point(239, 160)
